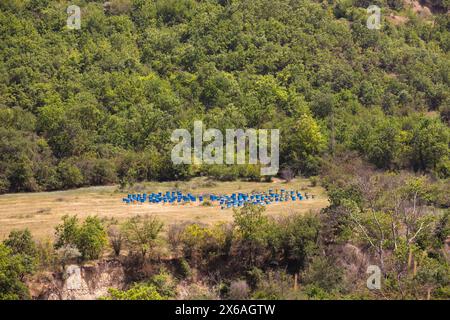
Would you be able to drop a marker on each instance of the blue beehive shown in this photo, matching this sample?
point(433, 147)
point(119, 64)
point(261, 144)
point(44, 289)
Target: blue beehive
point(236, 199)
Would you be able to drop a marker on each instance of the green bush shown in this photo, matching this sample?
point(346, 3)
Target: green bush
point(254, 277)
point(207, 203)
point(298, 239)
point(139, 291)
point(21, 243)
point(90, 238)
point(113, 118)
point(69, 175)
point(67, 232)
point(276, 286)
point(4, 185)
point(202, 244)
point(252, 230)
point(323, 273)
point(223, 173)
point(313, 181)
point(141, 233)
point(46, 254)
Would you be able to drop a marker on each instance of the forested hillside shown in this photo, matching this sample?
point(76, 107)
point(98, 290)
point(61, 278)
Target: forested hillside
point(97, 105)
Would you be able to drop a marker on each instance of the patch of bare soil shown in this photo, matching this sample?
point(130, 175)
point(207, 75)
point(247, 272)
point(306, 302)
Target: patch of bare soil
point(421, 10)
point(397, 20)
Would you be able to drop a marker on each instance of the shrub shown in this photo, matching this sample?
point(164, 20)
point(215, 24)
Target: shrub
point(141, 233)
point(223, 173)
point(141, 291)
point(90, 238)
point(67, 232)
point(323, 273)
point(276, 286)
point(46, 254)
point(202, 244)
point(254, 277)
point(21, 243)
point(165, 284)
point(195, 238)
point(317, 293)
point(224, 288)
point(313, 181)
point(185, 269)
point(252, 172)
point(298, 237)
point(12, 270)
point(4, 185)
point(250, 222)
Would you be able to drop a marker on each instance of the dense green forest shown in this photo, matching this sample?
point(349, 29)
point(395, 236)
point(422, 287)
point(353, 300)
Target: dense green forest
point(97, 105)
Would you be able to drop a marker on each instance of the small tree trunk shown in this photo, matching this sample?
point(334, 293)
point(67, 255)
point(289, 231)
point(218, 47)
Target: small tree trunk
point(381, 257)
point(295, 281)
point(410, 256)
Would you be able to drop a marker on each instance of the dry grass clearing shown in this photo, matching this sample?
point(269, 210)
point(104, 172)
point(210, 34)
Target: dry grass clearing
point(41, 212)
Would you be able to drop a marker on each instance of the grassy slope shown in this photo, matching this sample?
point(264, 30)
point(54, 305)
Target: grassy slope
point(40, 212)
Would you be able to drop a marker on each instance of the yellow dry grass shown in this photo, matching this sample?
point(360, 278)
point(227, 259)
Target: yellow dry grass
point(41, 212)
